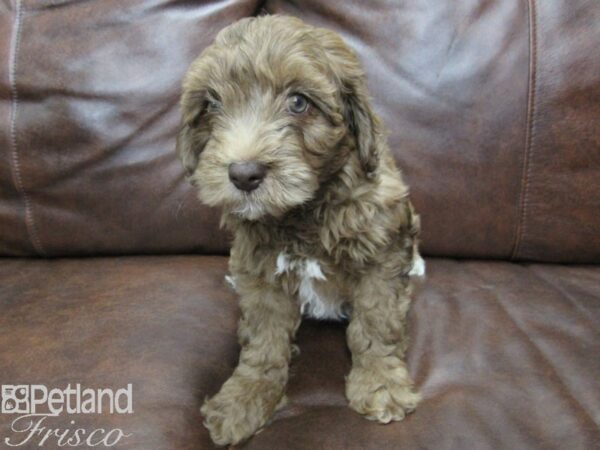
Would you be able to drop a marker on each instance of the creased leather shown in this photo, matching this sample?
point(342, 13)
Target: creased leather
point(504, 354)
point(491, 110)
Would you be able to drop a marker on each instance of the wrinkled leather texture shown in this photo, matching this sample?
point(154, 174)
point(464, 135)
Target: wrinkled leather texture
point(505, 355)
point(92, 92)
point(492, 110)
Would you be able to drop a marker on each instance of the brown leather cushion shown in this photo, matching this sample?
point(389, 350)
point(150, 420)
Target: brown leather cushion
point(505, 355)
point(90, 162)
point(493, 110)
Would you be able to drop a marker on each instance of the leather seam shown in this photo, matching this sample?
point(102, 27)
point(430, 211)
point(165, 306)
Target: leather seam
point(16, 166)
point(531, 98)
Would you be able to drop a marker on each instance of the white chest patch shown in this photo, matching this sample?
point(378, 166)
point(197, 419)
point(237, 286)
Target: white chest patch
point(418, 267)
point(311, 291)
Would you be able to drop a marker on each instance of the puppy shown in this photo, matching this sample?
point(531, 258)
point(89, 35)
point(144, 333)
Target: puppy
point(278, 130)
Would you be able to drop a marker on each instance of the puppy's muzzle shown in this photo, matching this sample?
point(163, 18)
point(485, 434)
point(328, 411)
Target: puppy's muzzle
point(247, 175)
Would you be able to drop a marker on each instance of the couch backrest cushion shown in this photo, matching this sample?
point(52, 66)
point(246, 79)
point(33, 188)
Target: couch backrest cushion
point(492, 110)
point(92, 93)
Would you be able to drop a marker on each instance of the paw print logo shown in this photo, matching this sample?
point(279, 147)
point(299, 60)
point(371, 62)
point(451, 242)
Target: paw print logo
point(15, 399)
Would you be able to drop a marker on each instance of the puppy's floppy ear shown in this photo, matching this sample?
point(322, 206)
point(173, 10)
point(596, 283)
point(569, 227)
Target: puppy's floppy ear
point(185, 149)
point(362, 122)
point(192, 137)
point(358, 114)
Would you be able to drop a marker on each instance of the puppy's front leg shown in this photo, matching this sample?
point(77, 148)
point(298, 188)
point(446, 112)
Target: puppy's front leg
point(249, 397)
point(379, 385)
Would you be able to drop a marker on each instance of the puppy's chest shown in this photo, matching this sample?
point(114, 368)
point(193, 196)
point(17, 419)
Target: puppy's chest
point(317, 286)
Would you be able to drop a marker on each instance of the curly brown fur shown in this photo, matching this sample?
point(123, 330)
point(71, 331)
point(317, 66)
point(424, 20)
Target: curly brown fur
point(329, 232)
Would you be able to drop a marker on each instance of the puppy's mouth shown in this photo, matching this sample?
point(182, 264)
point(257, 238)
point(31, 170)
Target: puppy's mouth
point(265, 201)
point(240, 195)
point(246, 180)
point(248, 206)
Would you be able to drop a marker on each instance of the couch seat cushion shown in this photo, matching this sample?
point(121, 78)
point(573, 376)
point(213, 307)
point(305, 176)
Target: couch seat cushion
point(506, 355)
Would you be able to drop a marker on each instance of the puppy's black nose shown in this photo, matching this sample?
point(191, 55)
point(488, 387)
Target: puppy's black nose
point(247, 176)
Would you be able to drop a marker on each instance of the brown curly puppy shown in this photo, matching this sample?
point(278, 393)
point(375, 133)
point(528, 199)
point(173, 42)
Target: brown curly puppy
point(278, 131)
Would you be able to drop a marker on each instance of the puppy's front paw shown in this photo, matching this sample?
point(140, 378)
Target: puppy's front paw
point(380, 394)
point(240, 409)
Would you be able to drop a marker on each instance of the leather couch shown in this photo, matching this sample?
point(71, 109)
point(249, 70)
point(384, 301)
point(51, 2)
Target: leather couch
point(112, 272)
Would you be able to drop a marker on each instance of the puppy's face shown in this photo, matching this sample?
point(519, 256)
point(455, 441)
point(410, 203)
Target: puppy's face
point(270, 111)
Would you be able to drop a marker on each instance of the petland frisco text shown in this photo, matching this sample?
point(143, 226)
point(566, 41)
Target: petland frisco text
point(37, 405)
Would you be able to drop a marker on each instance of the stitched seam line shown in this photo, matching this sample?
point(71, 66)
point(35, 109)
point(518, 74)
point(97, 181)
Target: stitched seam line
point(16, 168)
point(524, 195)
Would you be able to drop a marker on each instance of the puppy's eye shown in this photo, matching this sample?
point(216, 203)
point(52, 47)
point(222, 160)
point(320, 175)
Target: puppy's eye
point(210, 105)
point(297, 104)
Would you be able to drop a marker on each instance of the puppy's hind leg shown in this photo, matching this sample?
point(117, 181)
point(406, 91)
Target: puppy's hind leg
point(379, 385)
point(250, 396)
